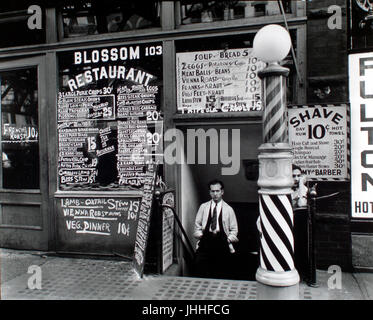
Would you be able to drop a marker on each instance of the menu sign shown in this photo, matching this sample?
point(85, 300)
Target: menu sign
point(19, 134)
point(318, 137)
point(144, 220)
point(167, 230)
point(109, 116)
point(218, 81)
point(87, 107)
point(108, 224)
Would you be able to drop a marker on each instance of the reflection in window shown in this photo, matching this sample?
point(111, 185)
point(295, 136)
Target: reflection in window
point(361, 24)
point(80, 18)
point(14, 27)
point(209, 11)
point(19, 129)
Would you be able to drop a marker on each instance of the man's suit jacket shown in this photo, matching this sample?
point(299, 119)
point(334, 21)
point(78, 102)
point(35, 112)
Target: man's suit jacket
point(228, 218)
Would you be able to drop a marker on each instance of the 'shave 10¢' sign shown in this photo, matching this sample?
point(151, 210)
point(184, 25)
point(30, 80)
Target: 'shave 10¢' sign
point(319, 140)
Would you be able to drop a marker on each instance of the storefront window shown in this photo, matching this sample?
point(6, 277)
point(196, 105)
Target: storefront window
point(109, 116)
point(81, 18)
point(19, 129)
point(327, 80)
point(209, 11)
point(361, 26)
point(221, 75)
point(22, 23)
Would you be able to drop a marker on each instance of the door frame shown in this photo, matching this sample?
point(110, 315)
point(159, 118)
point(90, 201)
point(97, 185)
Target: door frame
point(33, 197)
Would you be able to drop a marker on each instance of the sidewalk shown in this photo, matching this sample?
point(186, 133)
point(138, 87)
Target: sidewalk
point(98, 279)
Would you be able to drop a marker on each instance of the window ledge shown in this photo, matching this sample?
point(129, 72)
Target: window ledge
point(98, 194)
point(243, 22)
point(28, 191)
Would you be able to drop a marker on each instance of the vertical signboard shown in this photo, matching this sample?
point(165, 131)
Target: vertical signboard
point(143, 226)
point(361, 98)
point(167, 230)
point(319, 137)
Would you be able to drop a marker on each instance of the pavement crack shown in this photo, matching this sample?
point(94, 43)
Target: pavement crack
point(361, 286)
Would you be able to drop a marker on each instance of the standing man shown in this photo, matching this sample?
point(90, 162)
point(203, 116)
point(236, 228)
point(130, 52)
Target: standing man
point(299, 200)
point(216, 229)
point(299, 194)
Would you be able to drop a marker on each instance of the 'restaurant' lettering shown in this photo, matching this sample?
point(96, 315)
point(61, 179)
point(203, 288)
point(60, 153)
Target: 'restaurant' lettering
point(109, 72)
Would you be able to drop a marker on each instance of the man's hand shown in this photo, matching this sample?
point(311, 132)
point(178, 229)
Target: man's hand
point(198, 235)
point(231, 248)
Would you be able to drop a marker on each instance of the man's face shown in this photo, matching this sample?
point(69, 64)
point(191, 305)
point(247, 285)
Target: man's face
point(216, 192)
point(296, 177)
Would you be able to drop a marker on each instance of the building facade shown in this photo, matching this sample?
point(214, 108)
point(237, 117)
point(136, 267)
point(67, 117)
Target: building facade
point(84, 84)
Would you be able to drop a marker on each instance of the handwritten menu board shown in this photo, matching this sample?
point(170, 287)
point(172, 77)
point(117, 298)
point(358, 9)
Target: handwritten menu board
point(144, 220)
point(19, 134)
point(167, 230)
point(218, 81)
point(318, 135)
point(97, 224)
point(110, 124)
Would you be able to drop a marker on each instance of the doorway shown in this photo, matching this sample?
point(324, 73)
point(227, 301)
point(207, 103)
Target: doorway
point(24, 222)
point(240, 186)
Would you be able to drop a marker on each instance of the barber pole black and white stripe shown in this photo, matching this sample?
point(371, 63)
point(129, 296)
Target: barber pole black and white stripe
point(274, 114)
point(277, 240)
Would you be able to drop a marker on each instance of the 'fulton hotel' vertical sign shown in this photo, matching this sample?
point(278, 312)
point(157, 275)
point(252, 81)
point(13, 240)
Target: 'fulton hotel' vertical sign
point(361, 98)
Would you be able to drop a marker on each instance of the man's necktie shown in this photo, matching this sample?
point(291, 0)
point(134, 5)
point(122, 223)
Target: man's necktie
point(214, 219)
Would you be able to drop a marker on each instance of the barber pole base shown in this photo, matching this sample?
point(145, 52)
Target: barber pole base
point(267, 292)
point(276, 278)
point(276, 216)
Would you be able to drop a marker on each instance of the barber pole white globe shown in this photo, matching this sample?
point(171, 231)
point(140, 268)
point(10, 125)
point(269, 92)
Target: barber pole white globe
point(272, 44)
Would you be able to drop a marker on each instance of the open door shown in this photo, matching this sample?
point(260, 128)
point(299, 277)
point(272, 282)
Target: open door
point(24, 167)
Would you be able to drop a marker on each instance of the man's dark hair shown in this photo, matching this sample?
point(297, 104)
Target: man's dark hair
point(295, 167)
point(213, 182)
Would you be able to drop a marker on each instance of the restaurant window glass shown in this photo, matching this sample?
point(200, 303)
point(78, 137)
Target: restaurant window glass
point(220, 75)
point(209, 11)
point(110, 120)
point(82, 18)
point(361, 24)
point(19, 129)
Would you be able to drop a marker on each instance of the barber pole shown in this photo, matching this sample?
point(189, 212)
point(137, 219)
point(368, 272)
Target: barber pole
point(275, 182)
point(277, 244)
point(274, 115)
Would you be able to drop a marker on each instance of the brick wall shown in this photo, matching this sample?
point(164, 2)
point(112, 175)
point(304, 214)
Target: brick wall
point(333, 242)
point(332, 226)
point(327, 67)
